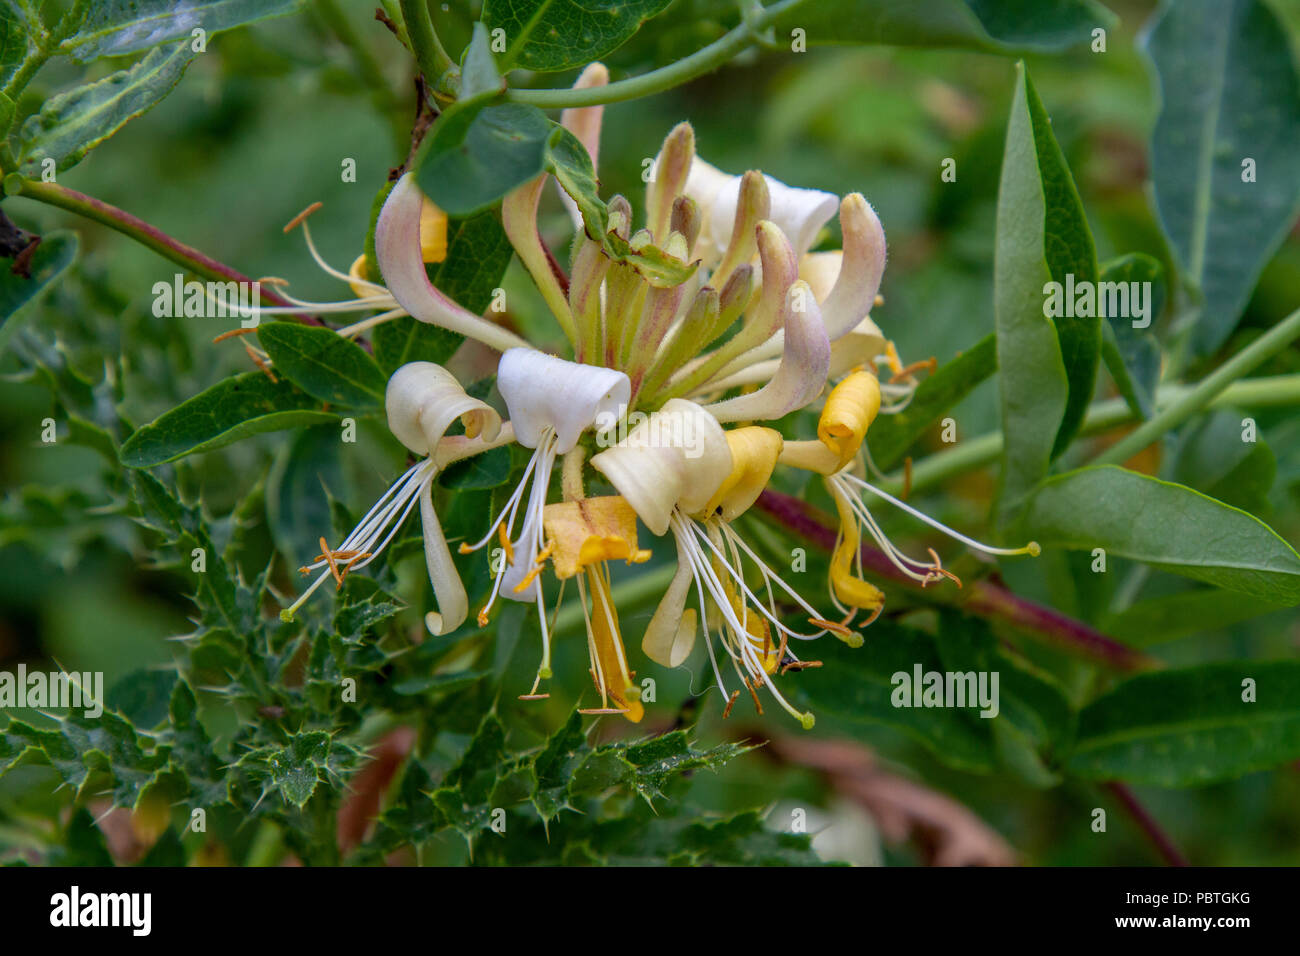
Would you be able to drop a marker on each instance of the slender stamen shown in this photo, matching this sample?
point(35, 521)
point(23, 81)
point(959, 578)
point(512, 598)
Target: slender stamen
point(1030, 548)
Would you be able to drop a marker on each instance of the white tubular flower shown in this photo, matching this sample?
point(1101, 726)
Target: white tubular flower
point(545, 393)
point(397, 247)
point(584, 123)
point(675, 458)
point(800, 213)
point(422, 401)
point(551, 403)
point(801, 374)
point(695, 496)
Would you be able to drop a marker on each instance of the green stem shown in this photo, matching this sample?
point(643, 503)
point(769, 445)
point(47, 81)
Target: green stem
point(152, 237)
point(429, 54)
point(698, 63)
point(1205, 391)
point(1280, 390)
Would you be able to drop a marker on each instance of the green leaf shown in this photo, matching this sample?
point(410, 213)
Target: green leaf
point(73, 123)
point(553, 35)
point(481, 151)
point(1213, 458)
point(49, 261)
point(297, 503)
point(1189, 727)
point(143, 696)
point(891, 435)
point(1132, 354)
point(1031, 371)
point(488, 470)
point(294, 770)
point(1034, 725)
point(1168, 526)
point(992, 26)
point(857, 685)
point(324, 364)
point(115, 27)
point(229, 411)
point(478, 253)
point(1229, 92)
point(1171, 616)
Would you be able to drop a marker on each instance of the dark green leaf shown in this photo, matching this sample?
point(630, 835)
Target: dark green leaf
point(993, 26)
point(552, 35)
point(891, 435)
point(1229, 93)
point(1168, 526)
point(1171, 616)
point(1189, 727)
point(236, 408)
point(488, 470)
point(48, 262)
point(1032, 375)
point(323, 364)
point(1132, 354)
point(297, 504)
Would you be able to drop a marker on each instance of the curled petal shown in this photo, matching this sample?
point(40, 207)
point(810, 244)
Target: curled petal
point(850, 409)
point(453, 604)
point(422, 401)
point(754, 452)
point(519, 219)
point(820, 270)
point(863, 264)
point(674, 458)
point(401, 261)
point(584, 123)
point(544, 392)
point(670, 636)
point(857, 348)
point(801, 374)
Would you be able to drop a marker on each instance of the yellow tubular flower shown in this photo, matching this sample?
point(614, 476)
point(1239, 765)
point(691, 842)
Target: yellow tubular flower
point(583, 535)
point(754, 451)
point(433, 232)
point(847, 588)
point(587, 532)
point(850, 409)
point(609, 668)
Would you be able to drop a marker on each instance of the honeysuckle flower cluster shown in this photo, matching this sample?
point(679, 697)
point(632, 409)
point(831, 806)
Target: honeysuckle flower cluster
point(687, 334)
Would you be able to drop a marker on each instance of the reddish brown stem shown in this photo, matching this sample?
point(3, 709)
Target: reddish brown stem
point(1147, 824)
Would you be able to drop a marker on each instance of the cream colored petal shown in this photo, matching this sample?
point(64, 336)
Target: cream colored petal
point(670, 636)
point(423, 399)
point(542, 391)
point(398, 250)
point(453, 604)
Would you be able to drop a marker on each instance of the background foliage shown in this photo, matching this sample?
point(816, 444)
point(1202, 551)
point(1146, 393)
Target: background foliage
point(1122, 163)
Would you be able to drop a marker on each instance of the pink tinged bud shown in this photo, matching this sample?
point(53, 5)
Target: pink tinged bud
point(397, 247)
point(753, 206)
point(861, 269)
point(780, 270)
point(519, 218)
point(800, 213)
point(801, 374)
point(686, 221)
point(669, 176)
point(584, 123)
